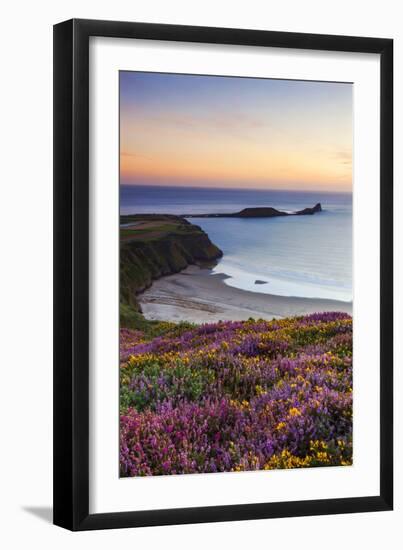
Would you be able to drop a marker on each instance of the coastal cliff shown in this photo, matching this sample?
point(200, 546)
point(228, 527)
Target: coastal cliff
point(153, 245)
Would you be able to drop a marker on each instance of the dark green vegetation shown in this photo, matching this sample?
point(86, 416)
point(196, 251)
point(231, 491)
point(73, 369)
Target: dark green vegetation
point(260, 212)
point(131, 319)
point(153, 245)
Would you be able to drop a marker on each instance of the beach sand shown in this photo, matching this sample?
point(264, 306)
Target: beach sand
point(198, 296)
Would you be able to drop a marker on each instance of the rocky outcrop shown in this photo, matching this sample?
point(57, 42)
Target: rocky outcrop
point(259, 212)
point(160, 250)
point(316, 208)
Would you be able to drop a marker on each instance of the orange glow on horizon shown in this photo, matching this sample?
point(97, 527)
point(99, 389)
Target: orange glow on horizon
point(208, 140)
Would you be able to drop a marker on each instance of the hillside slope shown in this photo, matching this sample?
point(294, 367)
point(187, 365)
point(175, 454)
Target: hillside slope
point(235, 396)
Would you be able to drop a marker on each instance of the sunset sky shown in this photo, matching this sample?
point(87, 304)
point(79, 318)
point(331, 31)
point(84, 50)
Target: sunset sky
point(235, 132)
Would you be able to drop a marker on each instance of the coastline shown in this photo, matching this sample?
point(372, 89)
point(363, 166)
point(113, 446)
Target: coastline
point(197, 296)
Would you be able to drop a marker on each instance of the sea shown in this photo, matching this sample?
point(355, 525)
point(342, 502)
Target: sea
point(304, 256)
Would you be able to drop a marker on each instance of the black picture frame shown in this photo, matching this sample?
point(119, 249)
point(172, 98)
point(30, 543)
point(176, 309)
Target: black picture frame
point(71, 274)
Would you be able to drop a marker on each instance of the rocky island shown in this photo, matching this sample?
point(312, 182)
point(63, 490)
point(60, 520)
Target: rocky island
point(259, 212)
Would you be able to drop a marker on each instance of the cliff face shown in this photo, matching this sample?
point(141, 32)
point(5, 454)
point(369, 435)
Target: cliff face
point(159, 245)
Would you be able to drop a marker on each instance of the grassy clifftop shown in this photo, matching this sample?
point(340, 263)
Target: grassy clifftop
point(153, 245)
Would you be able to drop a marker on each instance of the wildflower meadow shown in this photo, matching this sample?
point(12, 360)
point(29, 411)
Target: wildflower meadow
point(236, 396)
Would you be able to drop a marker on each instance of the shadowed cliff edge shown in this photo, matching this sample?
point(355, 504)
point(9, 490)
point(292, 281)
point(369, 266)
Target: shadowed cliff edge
point(154, 245)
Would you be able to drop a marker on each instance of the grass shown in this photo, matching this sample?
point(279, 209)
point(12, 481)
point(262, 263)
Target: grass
point(131, 319)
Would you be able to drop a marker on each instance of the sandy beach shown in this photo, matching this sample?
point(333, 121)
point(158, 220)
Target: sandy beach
point(198, 296)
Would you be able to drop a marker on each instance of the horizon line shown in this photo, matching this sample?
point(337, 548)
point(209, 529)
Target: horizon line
point(225, 188)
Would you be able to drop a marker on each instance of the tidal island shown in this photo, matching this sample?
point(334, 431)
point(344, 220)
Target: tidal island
point(260, 212)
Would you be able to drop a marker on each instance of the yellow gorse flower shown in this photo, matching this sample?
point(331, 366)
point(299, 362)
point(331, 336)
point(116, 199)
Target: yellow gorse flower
point(281, 425)
point(294, 412)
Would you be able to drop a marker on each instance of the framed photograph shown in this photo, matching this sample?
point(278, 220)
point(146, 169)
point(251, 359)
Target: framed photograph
point(223, 322)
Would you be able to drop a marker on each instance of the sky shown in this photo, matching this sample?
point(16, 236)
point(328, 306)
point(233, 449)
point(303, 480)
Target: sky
point(213, 131)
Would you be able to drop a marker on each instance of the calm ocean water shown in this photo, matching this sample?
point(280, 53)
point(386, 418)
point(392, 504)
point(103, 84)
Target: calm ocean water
point(307, 256)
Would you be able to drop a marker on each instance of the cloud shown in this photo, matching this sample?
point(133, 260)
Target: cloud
point(228, 123)
point(344, 157)
point(134, 155)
